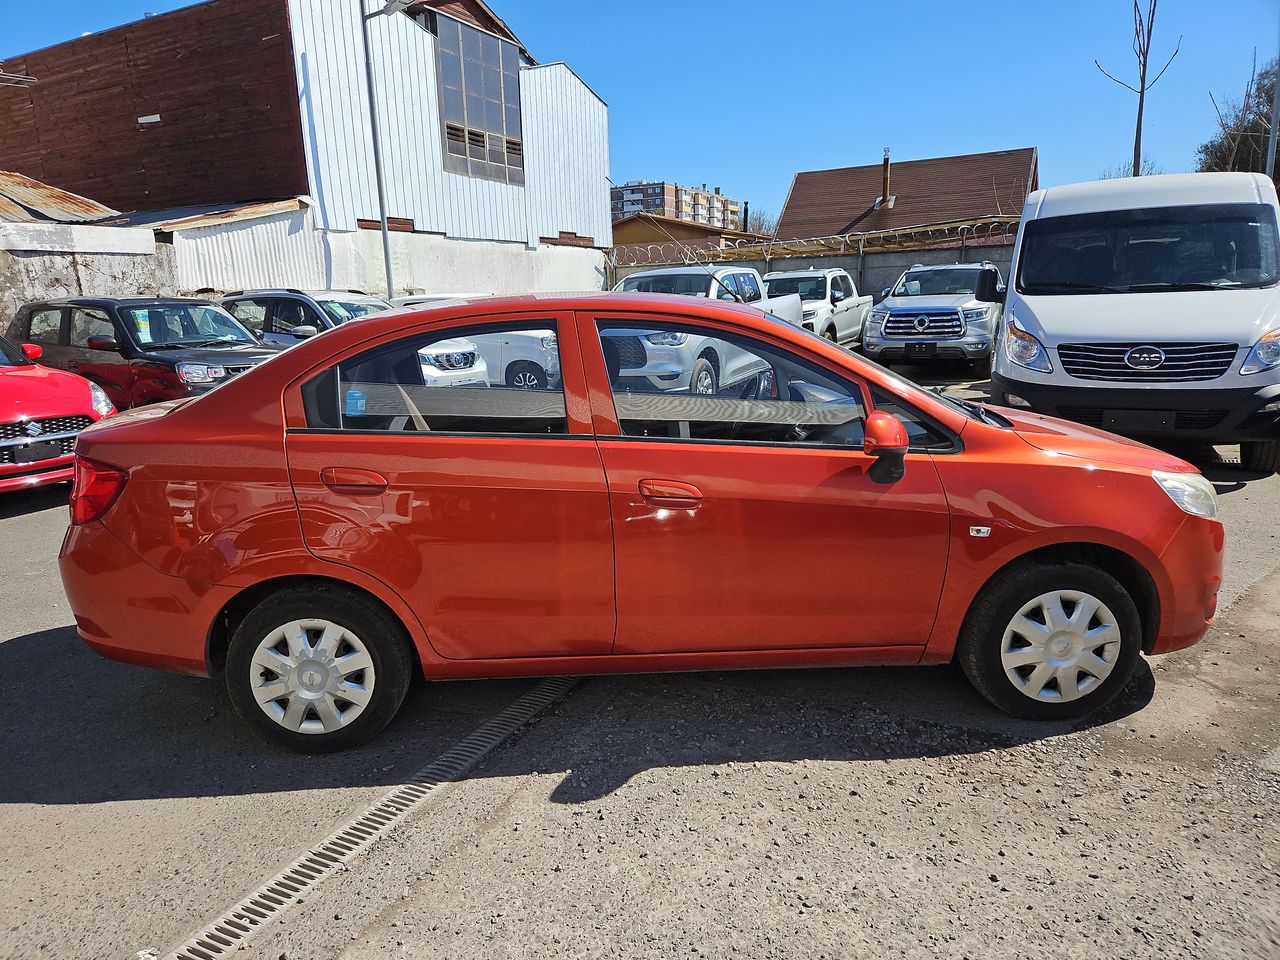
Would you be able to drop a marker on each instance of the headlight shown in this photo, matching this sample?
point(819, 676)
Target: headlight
point(200, 372)
point(1024, 349)
point(549, 342)
point(809, 314)
point(102, 404)
point(667, 338)
point(1265, 355)
point(1190, 491)
point(975, 314)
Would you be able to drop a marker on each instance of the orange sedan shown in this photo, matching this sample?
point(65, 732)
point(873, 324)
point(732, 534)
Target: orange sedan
point(342, 515)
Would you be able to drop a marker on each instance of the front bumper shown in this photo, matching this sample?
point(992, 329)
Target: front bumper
point(27, 475)
point(1220, 415)
point(894, 350)
point(1192, 564)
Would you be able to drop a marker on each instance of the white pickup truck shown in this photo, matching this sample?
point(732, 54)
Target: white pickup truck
point(740, 284)
point(829, 298)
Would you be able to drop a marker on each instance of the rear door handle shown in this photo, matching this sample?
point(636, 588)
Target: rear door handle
point(670, 493)
point(349, 480)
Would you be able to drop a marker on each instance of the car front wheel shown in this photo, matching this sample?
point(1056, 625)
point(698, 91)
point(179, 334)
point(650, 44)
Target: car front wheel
point(1051, 641)
point(1261, 455)
point(526, 375)
point(318, 668)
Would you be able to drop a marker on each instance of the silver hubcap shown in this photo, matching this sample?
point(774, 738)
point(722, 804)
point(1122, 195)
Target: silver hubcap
point(525, 380)
point(1061, 646)
point(706, 383)
point(312, 676)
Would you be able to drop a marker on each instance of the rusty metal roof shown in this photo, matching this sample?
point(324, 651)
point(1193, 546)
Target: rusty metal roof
point(23, 200)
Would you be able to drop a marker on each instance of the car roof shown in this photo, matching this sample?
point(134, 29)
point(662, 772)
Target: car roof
point(352, 295)
point(952, 266)
point(1165, 190)
point(810, 272)
point(116, 301)
point(710, 270)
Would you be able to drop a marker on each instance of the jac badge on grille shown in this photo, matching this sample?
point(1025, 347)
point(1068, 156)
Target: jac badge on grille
point(1144, 358)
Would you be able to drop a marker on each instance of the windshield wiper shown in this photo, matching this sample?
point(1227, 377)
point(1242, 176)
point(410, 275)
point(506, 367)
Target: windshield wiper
point(1076, 285)
point(215, 341)
point(1171, 285)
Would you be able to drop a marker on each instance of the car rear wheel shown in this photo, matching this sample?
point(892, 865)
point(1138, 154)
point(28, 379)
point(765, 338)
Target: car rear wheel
point(1051, 641)
point(830, 334)
point(703, 380)
point(526, 375)
point(318, 668)
point(1261, 455)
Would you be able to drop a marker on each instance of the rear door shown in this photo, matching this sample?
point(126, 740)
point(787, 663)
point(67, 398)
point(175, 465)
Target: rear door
point(484, 508)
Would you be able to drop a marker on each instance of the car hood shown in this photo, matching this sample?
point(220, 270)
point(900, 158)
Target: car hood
point(1067, 439)
point(949, 302)
point(236, 355)
point(36, 391)
point(1237, 316)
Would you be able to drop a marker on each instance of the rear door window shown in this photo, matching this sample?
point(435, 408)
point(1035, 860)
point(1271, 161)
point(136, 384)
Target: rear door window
point(251, 313)
point(46, 327)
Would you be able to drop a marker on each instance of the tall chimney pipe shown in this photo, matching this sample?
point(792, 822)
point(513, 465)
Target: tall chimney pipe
point(884, 189)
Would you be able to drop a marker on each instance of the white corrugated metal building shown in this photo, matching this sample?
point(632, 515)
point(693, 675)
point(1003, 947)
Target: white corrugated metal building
point(496, 166)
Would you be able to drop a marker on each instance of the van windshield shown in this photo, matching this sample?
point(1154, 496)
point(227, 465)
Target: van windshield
point(1202, 247)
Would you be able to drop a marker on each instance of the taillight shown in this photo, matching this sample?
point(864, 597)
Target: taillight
point(94, 489)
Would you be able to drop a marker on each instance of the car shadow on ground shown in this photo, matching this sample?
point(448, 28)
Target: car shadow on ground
point(20, 503)
point(80, 729)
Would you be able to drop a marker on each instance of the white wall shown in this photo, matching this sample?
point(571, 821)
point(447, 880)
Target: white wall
point(433, 264)
point(565, 126)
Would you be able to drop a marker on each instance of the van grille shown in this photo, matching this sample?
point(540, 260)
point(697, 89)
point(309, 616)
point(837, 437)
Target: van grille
point(1183, 362)
point(924, 323)
point(1191, 419)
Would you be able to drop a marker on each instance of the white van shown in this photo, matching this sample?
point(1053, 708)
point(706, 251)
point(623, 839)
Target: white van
point(1149, 307)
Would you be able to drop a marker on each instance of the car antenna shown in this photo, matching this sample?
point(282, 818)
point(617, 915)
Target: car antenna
point(689, 255)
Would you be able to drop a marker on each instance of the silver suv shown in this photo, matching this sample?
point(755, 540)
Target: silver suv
point(287, 316)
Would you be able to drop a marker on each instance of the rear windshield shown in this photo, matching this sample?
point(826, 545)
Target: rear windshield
point(1202, 247)
point(688, 284)
point(809, 288)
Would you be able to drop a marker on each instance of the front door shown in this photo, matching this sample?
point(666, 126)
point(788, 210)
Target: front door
point(749, 520)
point(91, 354)
point(484, 508)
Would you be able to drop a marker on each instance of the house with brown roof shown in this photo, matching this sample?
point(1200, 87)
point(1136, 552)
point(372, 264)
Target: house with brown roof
point(644, 237)
point(897, 195)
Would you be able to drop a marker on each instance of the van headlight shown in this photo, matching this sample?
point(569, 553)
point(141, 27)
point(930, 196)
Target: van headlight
point(1265, 354)
point(1190, 491)
point(1024, 349)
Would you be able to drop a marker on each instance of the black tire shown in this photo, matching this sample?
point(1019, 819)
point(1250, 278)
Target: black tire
point(830, 334)
point(978, 650)
point(982, 368)
point(704, 372)
point(519, 372)
point(383, 636)
point(1261, 455)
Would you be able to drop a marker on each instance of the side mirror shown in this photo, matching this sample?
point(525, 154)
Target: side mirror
point(837, 296)
point(304, 331)
point(885, 438)
point(33, 351)
point(884, 294)
point(988, 288)
point(107, 344)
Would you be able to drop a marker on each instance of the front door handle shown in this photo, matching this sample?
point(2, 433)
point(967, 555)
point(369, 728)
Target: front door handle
point(353, 482)
point(670, 493)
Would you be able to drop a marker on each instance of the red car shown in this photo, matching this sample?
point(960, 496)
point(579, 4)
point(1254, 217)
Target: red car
point(326, 524)
point(42, 411)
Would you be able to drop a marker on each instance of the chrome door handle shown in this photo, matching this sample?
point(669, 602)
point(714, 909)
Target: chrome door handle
point(670, 493)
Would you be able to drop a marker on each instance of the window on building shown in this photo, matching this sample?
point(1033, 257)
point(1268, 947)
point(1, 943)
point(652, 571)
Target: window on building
point(478, 85)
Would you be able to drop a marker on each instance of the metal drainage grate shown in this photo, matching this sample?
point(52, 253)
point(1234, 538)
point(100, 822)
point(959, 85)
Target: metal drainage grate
point(226, 934)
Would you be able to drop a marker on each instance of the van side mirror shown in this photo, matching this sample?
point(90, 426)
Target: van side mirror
point(304, 331)
point(885, 438)
point(107, 344)
point(32, 351)
point(988, 288)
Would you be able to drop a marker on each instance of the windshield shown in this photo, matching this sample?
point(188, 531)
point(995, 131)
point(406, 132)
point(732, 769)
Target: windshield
point(685, 284)
point(809, 288)
point(340, 311)
point(184, 324)
point(11, 355)
point(1209, 246)
point(933, 283)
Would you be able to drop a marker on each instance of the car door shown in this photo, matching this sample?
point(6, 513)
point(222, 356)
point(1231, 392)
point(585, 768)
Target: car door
point(484, 508)
point(286, 314)
point(94, 352)
point(844, 316)
point(751, 520)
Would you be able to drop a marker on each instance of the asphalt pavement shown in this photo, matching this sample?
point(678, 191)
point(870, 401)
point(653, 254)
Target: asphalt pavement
point(876, 812)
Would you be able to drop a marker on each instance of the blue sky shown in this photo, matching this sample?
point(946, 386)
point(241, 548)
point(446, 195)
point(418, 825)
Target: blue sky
point(839, 80)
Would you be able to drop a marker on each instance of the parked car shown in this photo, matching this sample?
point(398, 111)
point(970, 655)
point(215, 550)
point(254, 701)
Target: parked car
point(1150, 307)
point(832, 307)
point(728, 283)
point(644, 360)
point(948, 312)
point(141, 350)
point(325, 550)
point(42, 411)
point(285, 316)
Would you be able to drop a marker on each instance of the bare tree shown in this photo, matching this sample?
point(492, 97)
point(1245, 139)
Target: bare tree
point(1143, 27)
point(1243, 125)
point(1149, 168)
point(762, 222)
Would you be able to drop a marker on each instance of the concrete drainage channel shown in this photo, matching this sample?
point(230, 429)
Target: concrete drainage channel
point(244, 921)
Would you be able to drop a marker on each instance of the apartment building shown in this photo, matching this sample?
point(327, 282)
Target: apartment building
point(665, 199)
